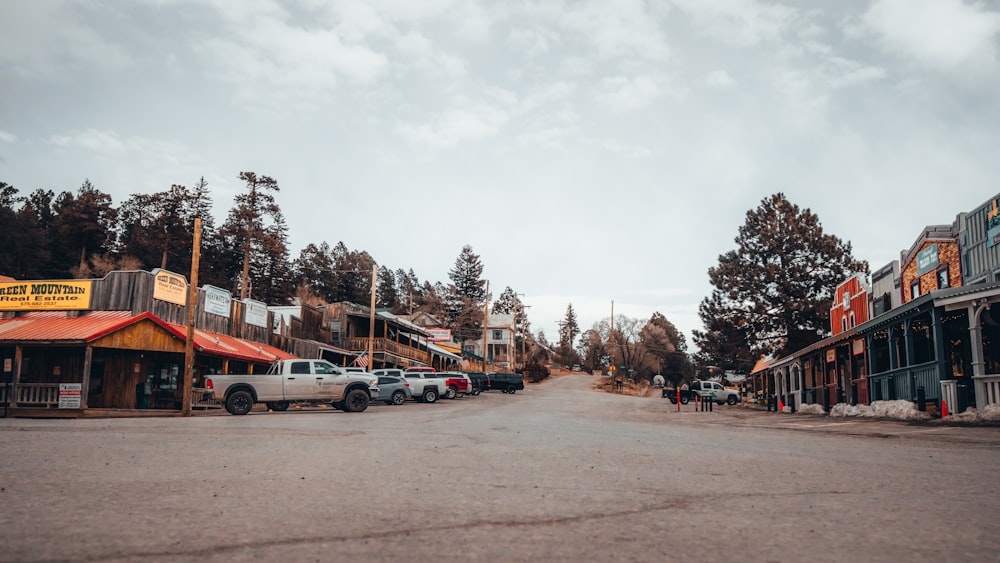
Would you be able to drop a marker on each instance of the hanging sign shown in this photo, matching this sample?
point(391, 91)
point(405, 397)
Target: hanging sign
point(169, 287)
point(217, 301)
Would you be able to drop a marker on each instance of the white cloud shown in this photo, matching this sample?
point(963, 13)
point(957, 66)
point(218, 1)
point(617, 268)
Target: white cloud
point(451, 127)
point(103, 142)
point(619, 29)
point(744, 23)
point(937, 33)
point(46, 40)
point(623, 94)
point(720, 80)
point(7, 137)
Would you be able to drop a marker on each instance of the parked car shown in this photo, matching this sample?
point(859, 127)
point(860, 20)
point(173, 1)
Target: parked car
point(393, 390)
point(480, 381)
point(507, 382)
point(456, 382)
point(425, 387)
point(710, 390)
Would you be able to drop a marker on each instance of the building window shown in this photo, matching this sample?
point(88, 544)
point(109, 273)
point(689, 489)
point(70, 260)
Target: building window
point(915, 289)
point(942, 278)
point(852, 319)
point(497, 335)
point(843, 323)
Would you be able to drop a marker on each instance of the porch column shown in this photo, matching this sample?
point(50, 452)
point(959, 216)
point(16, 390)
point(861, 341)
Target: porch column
point(978, 364)
point(893, 349)
point(16, 376)
point(85, 385)
point(908, 341)
point(937, 333)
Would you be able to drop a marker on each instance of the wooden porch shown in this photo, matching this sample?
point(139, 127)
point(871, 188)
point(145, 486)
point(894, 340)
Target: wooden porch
point(389, 346)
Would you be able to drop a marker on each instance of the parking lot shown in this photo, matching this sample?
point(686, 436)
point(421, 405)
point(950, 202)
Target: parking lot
point(558, 472)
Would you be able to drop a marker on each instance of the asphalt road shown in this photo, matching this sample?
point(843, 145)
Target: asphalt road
point(558, 472)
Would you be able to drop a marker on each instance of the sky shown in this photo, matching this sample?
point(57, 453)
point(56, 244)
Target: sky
point(590, 151)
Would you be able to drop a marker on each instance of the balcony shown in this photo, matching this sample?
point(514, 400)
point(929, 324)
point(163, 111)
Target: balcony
point(391, 347)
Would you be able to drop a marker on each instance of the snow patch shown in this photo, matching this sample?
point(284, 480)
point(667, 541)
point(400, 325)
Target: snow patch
point(990, 413)
point(843, 409)
point(811, 409)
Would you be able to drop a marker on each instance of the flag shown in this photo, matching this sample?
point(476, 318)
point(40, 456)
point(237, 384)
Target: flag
point(362, 360)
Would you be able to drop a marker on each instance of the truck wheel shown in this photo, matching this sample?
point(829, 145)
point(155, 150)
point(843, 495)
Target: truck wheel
point(513, 390)
point(240, 402)
point(356, 401)
point(430, 395)
point(398, 397)
point(451, 393)
point(685, 400)
point(732, 399)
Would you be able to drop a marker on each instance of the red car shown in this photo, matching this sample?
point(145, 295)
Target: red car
point(458, 383)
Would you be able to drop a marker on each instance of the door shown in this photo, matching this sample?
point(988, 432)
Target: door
point(329, 381)
point(299, 382)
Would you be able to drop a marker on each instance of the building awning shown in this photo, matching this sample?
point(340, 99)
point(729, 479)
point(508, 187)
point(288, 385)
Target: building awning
point(434, 348)
point(56, 327)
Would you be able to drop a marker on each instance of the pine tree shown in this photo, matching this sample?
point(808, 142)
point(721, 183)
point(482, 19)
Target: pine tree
point(466, 275)
point(257, 228)
point(773, 293)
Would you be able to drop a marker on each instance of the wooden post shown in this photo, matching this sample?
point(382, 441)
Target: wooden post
point(85, 384)
point(486, 320)
point(192, 303)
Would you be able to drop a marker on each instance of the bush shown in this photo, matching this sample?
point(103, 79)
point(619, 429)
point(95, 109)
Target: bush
point(534, 372)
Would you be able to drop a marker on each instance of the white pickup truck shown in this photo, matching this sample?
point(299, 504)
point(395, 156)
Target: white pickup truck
point(714, 391)
point(294, 380)
point(426, 386)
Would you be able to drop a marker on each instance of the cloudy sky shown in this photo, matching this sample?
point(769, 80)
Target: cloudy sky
point(589, 151)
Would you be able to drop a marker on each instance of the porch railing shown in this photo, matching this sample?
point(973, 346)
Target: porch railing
point(198, 400)
point(949, 395)
point(990, 388)
point(37, 395)
point(390, 346)
point(902, 383)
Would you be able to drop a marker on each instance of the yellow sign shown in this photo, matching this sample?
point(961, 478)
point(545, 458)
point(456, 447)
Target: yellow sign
point(55, 295)
point(169, 287)
point(993, 212)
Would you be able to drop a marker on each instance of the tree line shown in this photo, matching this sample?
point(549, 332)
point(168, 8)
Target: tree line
point(82, 234)
point(771, 295)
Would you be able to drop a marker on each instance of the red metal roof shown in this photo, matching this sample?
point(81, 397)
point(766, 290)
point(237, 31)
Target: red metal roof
point(56, 326)
point(231, 347)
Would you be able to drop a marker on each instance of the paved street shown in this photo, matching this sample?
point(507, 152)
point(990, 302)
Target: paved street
point(557, 472)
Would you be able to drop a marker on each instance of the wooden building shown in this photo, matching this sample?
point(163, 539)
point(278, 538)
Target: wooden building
point(118, 342)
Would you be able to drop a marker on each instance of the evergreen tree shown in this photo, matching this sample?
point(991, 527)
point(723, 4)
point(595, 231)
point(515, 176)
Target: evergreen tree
point(84, 225)
point(249, 224)
point(24, 254)
point(466, 276)
point(385, 293)
point(773, 293)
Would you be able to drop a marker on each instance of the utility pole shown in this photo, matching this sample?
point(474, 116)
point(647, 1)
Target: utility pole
point(192, 303)
point(371, 322)
point(611, 337)
point(486, 320)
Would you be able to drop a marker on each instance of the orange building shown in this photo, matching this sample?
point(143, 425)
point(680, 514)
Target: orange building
point(850, 304)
